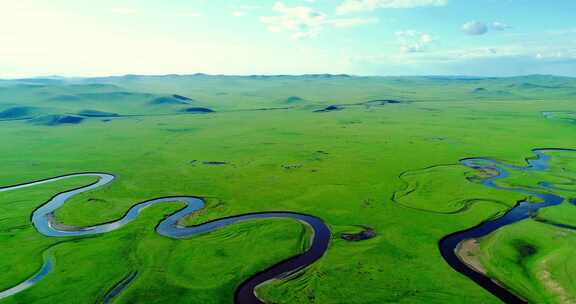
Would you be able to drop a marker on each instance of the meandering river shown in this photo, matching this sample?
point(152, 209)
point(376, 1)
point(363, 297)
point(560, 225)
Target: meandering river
point(523, 210)
point(44, 221)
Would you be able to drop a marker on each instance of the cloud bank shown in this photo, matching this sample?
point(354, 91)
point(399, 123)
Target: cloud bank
point(353, 6)
point(305, 22)
point(477, 28)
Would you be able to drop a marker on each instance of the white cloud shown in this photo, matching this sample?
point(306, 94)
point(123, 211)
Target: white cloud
point(561, 54)
point(489, 55)
point(475, 28)
point(305, 22)
point(499, 26)
point(238, 14)
point(351, 6)
point(351, 22)
point(413, 41)
point(490, 61)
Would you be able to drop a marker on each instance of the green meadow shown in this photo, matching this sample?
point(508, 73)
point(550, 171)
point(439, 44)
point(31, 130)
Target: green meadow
point(381, 152)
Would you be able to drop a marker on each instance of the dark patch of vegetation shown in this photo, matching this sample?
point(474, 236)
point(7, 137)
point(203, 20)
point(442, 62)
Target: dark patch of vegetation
point(384, 101)
point(369, 103)
point(93, 199)
point(180, 97)
point(292, 166)
point(365, 234)
point(16, 112)
point(96, 113)
point(197, 110)
point(524, 249)
point(215, 163)
point(167, 100)
point(293, 99)
point(329, 109)
point(56, 120)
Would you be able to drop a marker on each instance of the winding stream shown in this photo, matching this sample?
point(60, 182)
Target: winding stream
point(523, 210)
point(44, 270)
point(43, 220)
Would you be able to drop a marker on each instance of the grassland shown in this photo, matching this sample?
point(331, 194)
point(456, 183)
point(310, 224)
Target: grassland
point(391, 166)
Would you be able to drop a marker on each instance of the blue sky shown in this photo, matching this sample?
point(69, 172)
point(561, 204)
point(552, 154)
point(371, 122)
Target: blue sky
point(366, 37)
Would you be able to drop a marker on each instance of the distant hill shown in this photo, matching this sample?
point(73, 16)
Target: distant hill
point(56, 120)
point(17, 112)
point(145, 95)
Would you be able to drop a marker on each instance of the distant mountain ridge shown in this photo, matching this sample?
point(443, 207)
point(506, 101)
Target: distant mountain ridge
point(60, 79)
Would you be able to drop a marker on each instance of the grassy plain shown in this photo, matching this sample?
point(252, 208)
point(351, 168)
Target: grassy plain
point(343, 166)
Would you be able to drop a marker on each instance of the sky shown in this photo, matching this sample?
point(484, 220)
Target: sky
point(361, 37)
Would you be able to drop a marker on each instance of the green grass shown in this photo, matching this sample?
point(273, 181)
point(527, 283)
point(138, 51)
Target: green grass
point(343, 167)
point(519, 255)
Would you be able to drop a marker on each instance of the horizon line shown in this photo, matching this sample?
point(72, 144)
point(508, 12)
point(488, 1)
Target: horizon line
point(55, 77)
